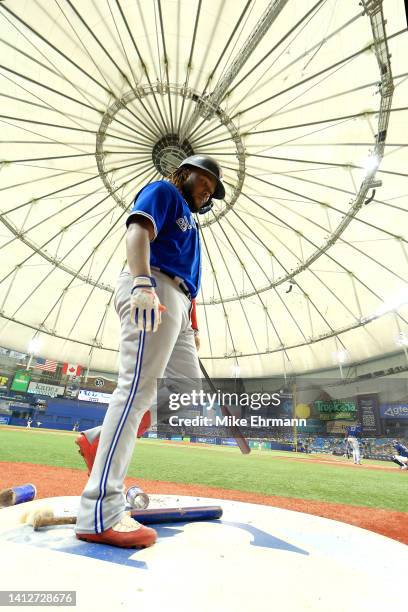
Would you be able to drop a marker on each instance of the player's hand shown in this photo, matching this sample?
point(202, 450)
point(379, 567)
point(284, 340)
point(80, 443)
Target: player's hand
point(145, 307)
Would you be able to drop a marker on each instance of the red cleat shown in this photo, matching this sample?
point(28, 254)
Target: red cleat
point(144, 424)
point(128, 533)
point(87, 450)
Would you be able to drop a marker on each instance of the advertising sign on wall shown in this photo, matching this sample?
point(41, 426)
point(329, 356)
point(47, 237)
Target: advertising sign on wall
point(23, 405)
point(44, 389)
point(4, 405)
point(229, 442)
point(335, 409)
point(337, 427)
point(368, 413)
point(21, 381)
point(12, 354)
point(99, 383)
point(259, 445)
point(94, 396)
point(205, 440)
point(3, 382)
point(394, 411)
point(4, 420)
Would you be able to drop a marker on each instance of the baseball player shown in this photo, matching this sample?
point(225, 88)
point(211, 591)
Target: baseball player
point(352, 434)
point(347, 451)
point(29, 421)
point(401, 458)
point(153, 301)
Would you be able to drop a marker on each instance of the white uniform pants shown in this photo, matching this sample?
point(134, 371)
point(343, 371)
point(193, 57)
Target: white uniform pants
point(144, 357)
point(355, 446)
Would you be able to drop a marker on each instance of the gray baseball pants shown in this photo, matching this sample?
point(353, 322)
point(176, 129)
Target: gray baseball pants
point(356, 449)
point(143, 358)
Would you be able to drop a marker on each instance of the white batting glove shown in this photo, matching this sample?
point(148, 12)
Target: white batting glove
point(145, 307)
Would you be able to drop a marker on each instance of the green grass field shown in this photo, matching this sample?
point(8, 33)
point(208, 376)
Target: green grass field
point(263, 472)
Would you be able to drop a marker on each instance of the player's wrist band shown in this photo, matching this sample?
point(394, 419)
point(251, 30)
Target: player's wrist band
point(196, 332)
point(144, 281)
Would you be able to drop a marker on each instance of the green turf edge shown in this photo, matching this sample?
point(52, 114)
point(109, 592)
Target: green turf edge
point(260, 472)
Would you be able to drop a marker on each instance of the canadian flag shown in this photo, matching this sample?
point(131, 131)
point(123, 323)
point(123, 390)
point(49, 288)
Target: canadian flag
point(71, 369)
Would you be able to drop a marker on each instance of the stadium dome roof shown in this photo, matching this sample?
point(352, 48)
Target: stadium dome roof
point(305, 262)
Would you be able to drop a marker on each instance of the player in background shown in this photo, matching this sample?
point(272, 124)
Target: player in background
point(347, 451)
point(352, 434)
point(401, 458)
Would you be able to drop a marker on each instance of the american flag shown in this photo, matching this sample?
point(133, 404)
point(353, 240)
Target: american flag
point(45, 364)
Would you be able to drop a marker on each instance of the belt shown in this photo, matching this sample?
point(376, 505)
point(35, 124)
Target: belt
point(179, 282)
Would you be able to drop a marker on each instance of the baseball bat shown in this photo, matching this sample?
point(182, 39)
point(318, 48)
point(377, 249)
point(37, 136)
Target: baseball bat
point(234, 429)
point(46, 518)
point(17, 495)
point(54, 520)
point(176, 515)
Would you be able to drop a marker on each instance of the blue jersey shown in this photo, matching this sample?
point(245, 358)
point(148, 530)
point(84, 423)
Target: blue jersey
point(175, 247)
point(354, 431)
point(401, 450)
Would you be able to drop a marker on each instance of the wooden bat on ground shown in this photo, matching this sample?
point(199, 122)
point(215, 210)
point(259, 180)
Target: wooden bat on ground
point(45, 517)
point(235, 430)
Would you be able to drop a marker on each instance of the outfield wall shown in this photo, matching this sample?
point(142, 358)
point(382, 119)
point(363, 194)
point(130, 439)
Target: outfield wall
point(64, 414)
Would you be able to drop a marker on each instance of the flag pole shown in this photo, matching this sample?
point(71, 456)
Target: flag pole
point(29, 361)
